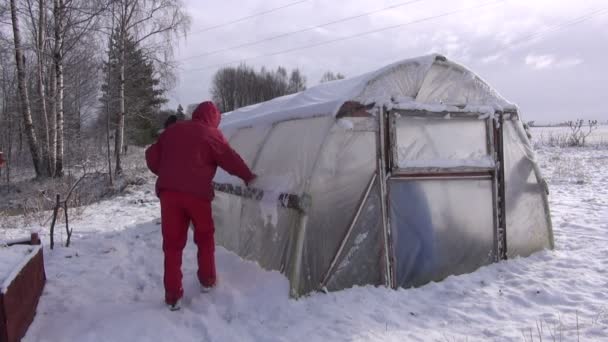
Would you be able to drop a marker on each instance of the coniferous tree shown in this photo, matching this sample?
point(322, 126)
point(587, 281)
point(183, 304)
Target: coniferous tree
point(180, 113)
point(143, 94)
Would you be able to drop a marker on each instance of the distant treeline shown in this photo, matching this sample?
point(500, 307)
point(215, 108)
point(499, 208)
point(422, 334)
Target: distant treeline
point(236, 87)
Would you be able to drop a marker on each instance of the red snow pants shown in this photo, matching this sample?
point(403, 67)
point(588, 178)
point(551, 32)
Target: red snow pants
point(177, 211)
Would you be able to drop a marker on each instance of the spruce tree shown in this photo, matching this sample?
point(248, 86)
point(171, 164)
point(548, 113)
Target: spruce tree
point(143, 93)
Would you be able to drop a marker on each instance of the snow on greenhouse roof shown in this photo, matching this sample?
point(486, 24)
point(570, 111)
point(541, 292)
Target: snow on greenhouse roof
point(424, 82)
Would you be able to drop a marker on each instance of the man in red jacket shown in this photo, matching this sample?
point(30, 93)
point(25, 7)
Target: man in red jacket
point(185, 159)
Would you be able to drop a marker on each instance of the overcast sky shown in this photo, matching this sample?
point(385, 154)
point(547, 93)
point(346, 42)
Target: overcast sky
point(514, 45)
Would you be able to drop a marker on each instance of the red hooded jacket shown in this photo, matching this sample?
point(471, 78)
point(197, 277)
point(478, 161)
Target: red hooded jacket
point(187, 154)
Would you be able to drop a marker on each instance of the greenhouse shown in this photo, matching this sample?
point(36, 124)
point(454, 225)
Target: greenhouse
point(397, 177)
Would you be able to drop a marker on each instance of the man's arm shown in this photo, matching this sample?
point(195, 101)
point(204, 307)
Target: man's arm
point(153, 157)
point(228, 159)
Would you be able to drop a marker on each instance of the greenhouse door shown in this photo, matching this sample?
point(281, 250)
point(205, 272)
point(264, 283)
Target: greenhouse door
point(442, 194)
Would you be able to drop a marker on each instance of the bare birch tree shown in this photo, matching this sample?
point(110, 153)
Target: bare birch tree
point(72, 21)
point(329, 76)
point(39, 28)
point(144, 20)
point(233, 88)
point(23, 94)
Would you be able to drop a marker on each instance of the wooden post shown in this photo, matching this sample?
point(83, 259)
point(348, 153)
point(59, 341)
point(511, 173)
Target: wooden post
point(55, 211)
point(67, 225)
point(35, 239)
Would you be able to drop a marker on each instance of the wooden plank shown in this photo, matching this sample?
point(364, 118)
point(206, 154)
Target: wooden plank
point(456, 114)
point(21, 298)
point(354, 109)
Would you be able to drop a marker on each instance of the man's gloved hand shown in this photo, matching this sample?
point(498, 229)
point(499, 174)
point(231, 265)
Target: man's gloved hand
point(252, 181)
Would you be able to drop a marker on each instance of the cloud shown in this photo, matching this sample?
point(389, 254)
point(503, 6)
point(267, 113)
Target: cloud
point(492, 58)
point(488, 40)
point(570, 62)
point(540, 62)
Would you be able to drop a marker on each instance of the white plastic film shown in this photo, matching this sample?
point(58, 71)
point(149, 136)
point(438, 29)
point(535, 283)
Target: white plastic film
point(451, 84)
point(432, 142)
point(338, 182)
point(266, 243)
point(284, 165)
point(289, 154)
point(528, 230)
point(227, 219)
point(402, 81)
point(440, 228)
point(247, 143)
point(361, 259)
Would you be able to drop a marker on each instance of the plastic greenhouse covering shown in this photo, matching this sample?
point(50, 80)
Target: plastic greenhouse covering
point(352, 190)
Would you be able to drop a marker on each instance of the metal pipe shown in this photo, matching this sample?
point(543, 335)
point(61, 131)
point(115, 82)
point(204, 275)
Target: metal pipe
point(495, 219)
point(441, 177)
point(294, 277)
point(502, 218)
point(381, 168)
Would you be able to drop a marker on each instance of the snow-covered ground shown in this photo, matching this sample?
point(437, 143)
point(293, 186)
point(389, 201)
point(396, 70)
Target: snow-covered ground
point(558, 136)
point(108, 285)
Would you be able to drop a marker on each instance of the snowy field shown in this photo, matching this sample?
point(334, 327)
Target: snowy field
point(558, 136)
point(108, 285)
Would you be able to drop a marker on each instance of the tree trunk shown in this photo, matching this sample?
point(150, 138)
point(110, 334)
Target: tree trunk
point(7, 135)
point(108, 140)
point(23, 95)
point(41, 88)
point(10, 149)
point(53, 117)
point(21, 137)
point(120, 128)
point(78, 105)
point(58, 54)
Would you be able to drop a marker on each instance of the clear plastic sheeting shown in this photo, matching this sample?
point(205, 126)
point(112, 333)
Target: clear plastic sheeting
point(436, 142)
point(247, 142)
point(227, 220)
point(264, 242)
point(401, 81)
point(436, 232)
point(338, 182)
point(428, 79)
point(298, 145)
point(290, 152)
point(452, 84)
point(528, 229)
point(361, 259)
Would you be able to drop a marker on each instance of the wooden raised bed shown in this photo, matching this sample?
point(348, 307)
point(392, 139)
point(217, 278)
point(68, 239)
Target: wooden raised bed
point(23, 279)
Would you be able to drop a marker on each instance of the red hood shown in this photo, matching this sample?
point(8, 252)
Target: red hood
point(208, 114)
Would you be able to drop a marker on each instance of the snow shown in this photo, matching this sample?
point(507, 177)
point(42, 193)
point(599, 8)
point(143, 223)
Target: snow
point(437, 108)
point(108, 285)
point(394, 86)
point(346, 124)
point(12, 260)
point(273, 187)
